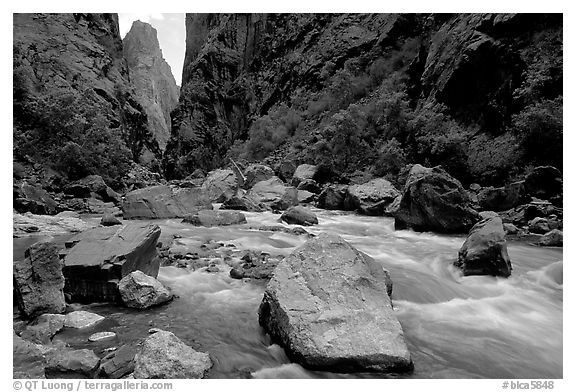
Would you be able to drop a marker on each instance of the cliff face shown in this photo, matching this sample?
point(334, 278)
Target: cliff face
point(152, 79)
point(242, 70)
point(72, 66)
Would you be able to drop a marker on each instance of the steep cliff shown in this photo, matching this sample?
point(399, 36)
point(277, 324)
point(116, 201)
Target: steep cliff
point(152, 79)
point(74, 108)
point(366, 88)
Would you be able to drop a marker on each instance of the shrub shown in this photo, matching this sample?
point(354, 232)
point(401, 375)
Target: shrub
point(391, 159)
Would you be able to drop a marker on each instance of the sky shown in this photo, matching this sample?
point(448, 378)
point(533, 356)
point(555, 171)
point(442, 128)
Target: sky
point(171, 35)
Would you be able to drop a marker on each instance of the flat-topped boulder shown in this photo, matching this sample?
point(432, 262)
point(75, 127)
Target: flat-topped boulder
point(432, 200)
point(163, 201)
point(38, 281)
point(97, 259)
point(61, 223)
point(329, 306)
point(274, 194)
point(484, 252)
point(163, 355)
point(210, 218)
point(81, 319)
point(371, 198)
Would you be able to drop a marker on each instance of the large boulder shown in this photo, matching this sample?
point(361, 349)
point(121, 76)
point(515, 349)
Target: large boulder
point(62, 223)
point(97, 259)
point(503, 198)
point(538, 225)
point(432, 200)
point(274, 194)
point(329, 306)
point(66, 363)
point(299, 215)
point(163, 355)
point(256, 173)
point(210, 218)
point(332, 197)
point(38, 281)
point(220, 185)
point(484, 252)
point(80, 319)
point(544, 182)
point(162, 201)
point(304, 172)
point(141, 291)
point(34, 199)
point(371, 198)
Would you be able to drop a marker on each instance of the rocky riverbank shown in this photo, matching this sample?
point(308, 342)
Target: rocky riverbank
point(116, 259)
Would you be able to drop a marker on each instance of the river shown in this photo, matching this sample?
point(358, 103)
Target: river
point(455, 327)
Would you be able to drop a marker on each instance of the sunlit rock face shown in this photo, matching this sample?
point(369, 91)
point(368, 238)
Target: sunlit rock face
point(152, 78)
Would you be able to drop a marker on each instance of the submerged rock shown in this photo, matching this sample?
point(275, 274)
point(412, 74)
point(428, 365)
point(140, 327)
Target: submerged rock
point(100, 257)
point(71, 363)
point(433, 200)
point(141, 291)
point(98, 336)
point(328, 305)
point(371, 198)
point(38, 281)
point(163, 355)
point(162, 201)
point(484, 252)
point(212, 218)
point(299, 215)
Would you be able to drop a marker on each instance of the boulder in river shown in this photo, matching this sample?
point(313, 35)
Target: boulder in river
point(304, 172)
point(38, 281)
point(163, 201)
point(299, 215)
point(220, 185)
point(329, 306)
point(433, 200)
point(552, 238)
point(34, 199)
point(98, 258)
point(371, 198)
point(141, 291)
point(484, 252)
point(66, 363)
point(61, 223)
point(28, 360)
point(81, 319)
point(538, 225)
point(255, 173)
point(274, 194)
point(210, 218)
point(163, 355)
point(243, 202)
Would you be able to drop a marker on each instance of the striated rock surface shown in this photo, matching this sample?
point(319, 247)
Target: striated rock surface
point(163, 201)
point(328, 305)
point(98, 258)
point(141, 291)
point(38, 281)
point(118, 363)
point(433, 200)
point(484, 252)
point(163, 355)
point(151, 76)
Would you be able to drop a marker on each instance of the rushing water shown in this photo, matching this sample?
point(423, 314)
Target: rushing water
point(455, 327)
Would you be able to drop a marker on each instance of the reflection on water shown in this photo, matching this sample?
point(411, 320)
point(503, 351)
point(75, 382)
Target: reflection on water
point(455, 326)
